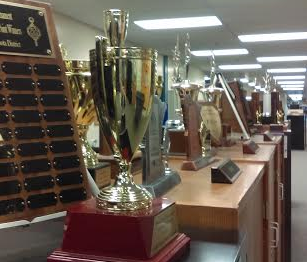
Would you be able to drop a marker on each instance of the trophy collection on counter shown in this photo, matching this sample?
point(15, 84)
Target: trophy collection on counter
point(124, 221)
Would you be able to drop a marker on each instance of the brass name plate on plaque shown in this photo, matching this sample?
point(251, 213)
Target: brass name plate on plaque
point(24, 31)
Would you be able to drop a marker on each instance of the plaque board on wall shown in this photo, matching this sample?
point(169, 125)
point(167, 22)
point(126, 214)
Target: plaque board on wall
point(41, 165)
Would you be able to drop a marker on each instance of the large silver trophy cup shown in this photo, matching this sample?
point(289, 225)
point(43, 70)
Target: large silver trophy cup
point(123, 88)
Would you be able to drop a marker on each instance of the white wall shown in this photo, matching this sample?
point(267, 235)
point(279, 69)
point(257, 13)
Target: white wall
point(78, 38)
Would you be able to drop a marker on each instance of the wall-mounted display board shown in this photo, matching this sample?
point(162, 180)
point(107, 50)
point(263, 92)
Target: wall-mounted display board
point(41, 165)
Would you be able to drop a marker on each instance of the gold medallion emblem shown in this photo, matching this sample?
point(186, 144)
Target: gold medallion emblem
point(33, 31)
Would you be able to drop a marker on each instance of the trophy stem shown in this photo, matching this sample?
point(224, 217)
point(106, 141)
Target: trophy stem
point(90, 156)
point(124, 195)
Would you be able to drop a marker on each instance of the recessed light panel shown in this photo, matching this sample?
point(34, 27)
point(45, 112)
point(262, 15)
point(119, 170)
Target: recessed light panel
point(220, 52)
point(240, 67)
point(173, 23)
point(293, 89)
point(290, 82)
point(286, 70)
point(286, 86)
point(273, 37)
point(267, 59)
point(288, 77)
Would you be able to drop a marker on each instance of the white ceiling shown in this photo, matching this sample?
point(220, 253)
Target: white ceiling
point(237, 16)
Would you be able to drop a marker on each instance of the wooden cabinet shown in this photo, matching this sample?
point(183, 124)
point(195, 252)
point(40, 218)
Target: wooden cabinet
point(222, 212)
point(278, 226)
point(265, 155)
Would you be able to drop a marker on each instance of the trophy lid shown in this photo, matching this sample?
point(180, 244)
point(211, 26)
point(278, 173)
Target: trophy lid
point(115, 26)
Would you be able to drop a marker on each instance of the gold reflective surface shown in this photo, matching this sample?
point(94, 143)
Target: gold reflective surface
point(79, 80)
point(123, 97)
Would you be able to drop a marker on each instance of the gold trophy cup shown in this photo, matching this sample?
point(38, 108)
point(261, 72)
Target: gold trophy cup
point(123, 89)
point(79, 79)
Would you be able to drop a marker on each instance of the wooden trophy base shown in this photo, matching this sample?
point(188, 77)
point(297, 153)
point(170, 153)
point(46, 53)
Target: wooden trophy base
point(172, 252)
point(194, 165)
point(92, 234)
point(101, 174)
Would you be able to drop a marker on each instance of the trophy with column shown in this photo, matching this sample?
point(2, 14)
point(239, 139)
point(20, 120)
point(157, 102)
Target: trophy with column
point(79, 81)
point(124, 222)
point(191, 110)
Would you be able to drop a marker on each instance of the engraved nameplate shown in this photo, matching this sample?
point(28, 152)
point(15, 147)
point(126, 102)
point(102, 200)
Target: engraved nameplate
point(64, 146)
point(35, 166)
point(16, 68)
point(26, 116)
point(23, 100)
point(5, 134)
point(11, 206)
point(70, 178)
point(53, 100)
point(20, 84)
point(57, 115)
point(60, 131)
point(50, 85)
point(4, 117)
point(71, 195)
point(10, 188)
point(66, 162)
point(27, 31)
point(29, 132)
point(42, 200)
point(38, 183)
point(8, 169)
point(32, 149)
point(47, 70)
point(6, 151)
point(2, 100)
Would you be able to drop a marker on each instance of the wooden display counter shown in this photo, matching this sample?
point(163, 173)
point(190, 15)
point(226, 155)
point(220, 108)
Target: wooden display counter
point(221, 212)
point(283, 189)
point(265, 155)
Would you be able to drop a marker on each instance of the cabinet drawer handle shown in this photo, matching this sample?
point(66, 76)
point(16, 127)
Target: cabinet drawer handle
point(275, 227)
point(282, 191)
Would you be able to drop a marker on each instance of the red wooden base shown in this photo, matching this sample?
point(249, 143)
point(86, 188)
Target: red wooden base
point(171, 252)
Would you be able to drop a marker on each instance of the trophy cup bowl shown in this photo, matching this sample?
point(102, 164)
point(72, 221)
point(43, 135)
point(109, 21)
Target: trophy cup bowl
point(126, 79)
point(79, 80)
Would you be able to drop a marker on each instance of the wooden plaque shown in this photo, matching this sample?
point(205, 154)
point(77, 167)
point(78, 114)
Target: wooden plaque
point(41, 165)
point(211, 117)
point(192, 118)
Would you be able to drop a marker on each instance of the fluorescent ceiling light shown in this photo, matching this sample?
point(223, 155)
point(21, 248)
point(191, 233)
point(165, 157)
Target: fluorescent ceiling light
point(290, 82)
point(262, 89)
point(173, 23)
point(252, 84)
point(248, 98)
point(293, 89)
point(221, 52)
point(257, 87)
point(273, 37)
point(267, 59)
point(244, 80)
point(240, 67)
point(285, 86)
point(288, 77)
point(286, 70)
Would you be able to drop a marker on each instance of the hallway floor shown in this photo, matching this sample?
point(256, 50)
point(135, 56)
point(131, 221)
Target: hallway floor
point(299, 206)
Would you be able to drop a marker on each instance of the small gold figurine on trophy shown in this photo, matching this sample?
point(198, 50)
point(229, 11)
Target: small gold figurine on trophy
point(280, 116)
point(258, 116)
